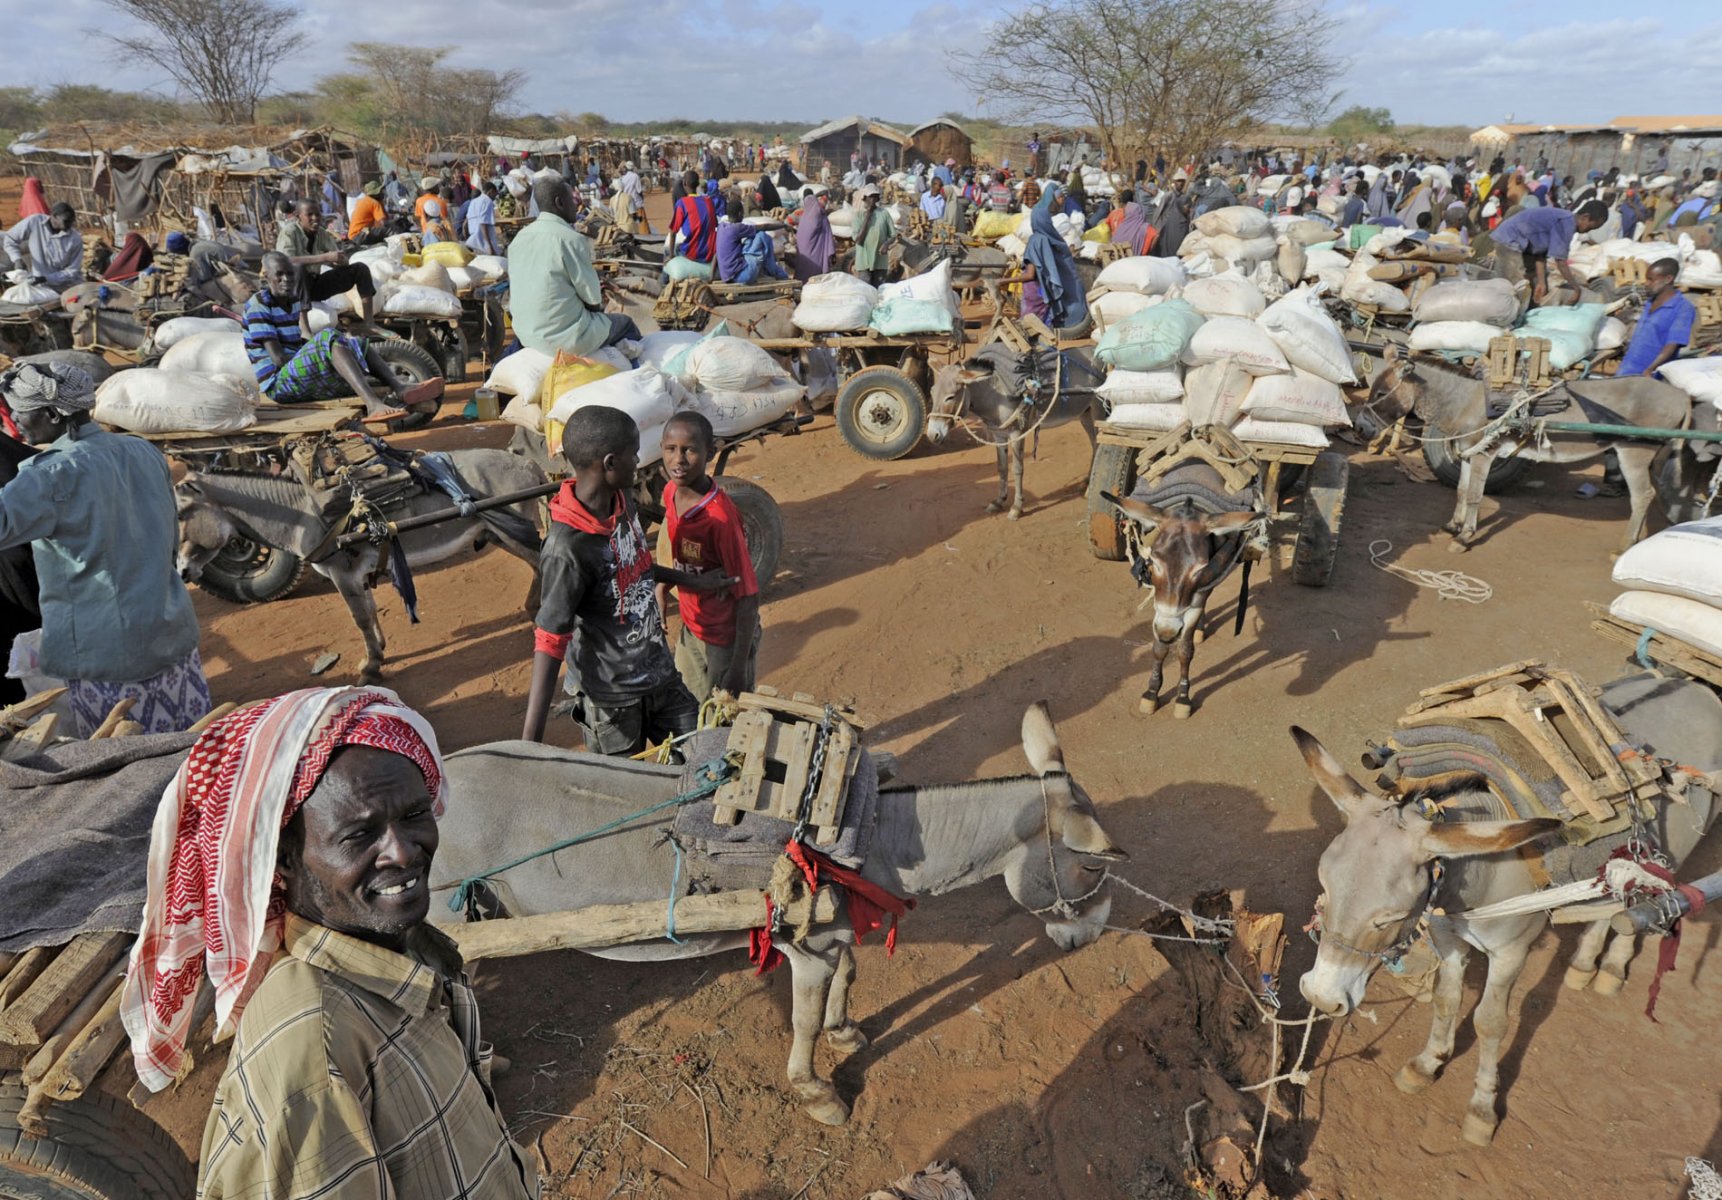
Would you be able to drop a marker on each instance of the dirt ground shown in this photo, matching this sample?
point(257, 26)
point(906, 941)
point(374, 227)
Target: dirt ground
point(1042, 1074)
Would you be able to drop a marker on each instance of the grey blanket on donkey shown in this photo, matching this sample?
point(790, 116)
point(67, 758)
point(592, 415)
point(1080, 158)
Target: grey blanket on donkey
point(727, 857)
point(74, 836)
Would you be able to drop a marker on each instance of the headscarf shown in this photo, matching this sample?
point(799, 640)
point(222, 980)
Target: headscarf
point(714, 189)
point(33, 203)
point(1132, 227)
point(815, 245)
point(1054, 265)
point(59, 386)
point(214, 902)
point(768, 194)
point(786, 178)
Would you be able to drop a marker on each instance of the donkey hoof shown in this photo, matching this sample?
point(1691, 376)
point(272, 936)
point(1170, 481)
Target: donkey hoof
point(827, 1111)
point(1412, 1081)
point(847, 1038)
point(1181, 710)
point(1148, 705)
point(995, 506)
point(1014, 514)
point(1458, 546)
point(1200, 637)
point(1607, 983)
point(1479, 1130)
point(1578, 978)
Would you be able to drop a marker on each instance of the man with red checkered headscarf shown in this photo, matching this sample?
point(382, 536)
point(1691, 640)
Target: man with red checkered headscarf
point(290, 863)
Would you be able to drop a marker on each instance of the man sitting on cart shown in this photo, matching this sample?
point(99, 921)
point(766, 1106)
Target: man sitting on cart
point(290, 861)
point(324, 269)
point(745, 254)
point(554, 293)
point(293, 365)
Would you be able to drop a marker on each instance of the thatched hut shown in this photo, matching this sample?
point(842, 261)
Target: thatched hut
point(161, 176)
point(938, 141)
point(835, 141)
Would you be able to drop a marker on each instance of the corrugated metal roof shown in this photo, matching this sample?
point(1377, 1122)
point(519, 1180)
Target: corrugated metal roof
point(875, 128)
point(1708, 123)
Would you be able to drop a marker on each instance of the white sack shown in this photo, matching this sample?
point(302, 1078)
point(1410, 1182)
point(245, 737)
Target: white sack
point(1493, 301)
point(1700, 378)
point(933, 286)
point(1300, 397)
point(733, 413)
point(648, 396)
point(168, 332)
point(1240, 341)
point(521, 373)
point(1309, 338)
point(150, 400)
point(430, 274)
point(417, 300)
point(1142, 273)
point(1214, 394)
point(210, 354)
point(728, 364)
point(1236, 220)
point(1684, 560)
point(1460, 337)
point(835, 303)
point(1109, 308)
point(1692, 621)
point(1141, 387)
point(1285, 433)
point(1158, 418)
point(1227, 295)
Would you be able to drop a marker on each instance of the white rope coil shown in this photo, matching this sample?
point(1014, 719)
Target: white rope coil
point(1619, 875)
point(1449, 585)
point(1706, 1183)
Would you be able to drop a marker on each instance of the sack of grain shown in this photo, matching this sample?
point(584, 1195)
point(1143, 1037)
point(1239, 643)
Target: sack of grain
point(1150, 340)
point(1571, 331)
point(1284, 433)
point(521, 373)
point(657, 349)
point(168, 333)
point(894, 318)
point(930, 286)
point(1141, 273)
point(491, 266)
point(1236, 220)
point(151, 400)
point(1226, 295)
point(449, 254)
point(1308, 337)
point(728, 364)
point(835, 303)
point(733, 413)
point(648, 396)
point(1493, 301)
point(1108, 307)
point(1239, 340)
point(1214, 394)
point(990, 226)
point(29, 293)
point(1684, 560)
point(210, 354)
point(1306, 233)
point(1291, 261)
point(1242, 253)
point(1458, 337)
point(1700, 378)
point(1156, 418)
point(1613, 334)
point(1142, 387)
point(417, 300)
point(430, 274)
point(1692, 621)
point(1299, 397)
point(1359, 288)
point(681, 267)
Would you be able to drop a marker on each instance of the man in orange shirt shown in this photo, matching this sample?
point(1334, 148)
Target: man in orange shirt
point(366, 227)
point(431, 209)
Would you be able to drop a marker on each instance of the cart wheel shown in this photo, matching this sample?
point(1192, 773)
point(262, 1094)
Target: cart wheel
point(1503, 472)
point(246, 572)
point(761, 524)
point(1113, 470)
point(410, 365)
point(881, 413)
point(1323, 509)
point(98, 1148)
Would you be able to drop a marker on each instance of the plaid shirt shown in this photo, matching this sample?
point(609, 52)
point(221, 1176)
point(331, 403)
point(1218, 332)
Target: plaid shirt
point(356, 1072)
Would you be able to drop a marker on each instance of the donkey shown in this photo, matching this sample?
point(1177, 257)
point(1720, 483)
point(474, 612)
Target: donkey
point(1379, 881)
point(1190, 550)
point(964, 389)
point(278, 512)
point(1453, 403)
point(1037, 831)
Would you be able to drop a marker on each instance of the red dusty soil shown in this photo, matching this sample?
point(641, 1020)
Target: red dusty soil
point(1043, 1074)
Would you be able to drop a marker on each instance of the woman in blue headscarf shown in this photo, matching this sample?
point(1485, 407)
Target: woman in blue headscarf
point(1051, 289)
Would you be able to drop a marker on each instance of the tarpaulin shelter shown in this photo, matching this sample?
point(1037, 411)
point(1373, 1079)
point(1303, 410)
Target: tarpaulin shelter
point(937, 141)
point(144, 176)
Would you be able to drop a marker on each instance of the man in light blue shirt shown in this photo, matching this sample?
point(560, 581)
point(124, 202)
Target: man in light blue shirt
point(1666, 325)
point(53, 248)
point(481, 234)
point(1527, 241)
point(554, 294)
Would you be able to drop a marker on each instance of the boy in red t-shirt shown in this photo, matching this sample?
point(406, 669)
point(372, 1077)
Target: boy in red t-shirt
point(719, 642)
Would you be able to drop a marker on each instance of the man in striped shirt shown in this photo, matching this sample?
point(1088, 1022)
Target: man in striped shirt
point(694, 223)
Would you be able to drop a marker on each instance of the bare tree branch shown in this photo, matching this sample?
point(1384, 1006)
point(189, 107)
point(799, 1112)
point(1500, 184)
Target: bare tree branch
point(221, 51)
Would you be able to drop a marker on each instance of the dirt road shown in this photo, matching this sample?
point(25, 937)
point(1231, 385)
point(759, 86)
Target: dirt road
point(1041, 1074)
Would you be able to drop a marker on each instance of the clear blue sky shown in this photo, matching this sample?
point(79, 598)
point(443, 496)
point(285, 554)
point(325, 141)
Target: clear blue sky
point(1460, 62)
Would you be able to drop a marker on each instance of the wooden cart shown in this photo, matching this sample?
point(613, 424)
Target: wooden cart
point(1303, 537)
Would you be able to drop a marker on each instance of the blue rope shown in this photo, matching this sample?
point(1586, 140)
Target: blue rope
point(1642, 653)
point(675, 883)
point(711, 776)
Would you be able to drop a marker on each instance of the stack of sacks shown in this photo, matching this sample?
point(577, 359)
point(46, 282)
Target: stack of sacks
point(211, 354)
point(1326, 266)
point(1130, 285)
point(148, 400)
point(422, 291)
point(735, 384)
point(1360, 287)
point(842, 219)
point(164, 336)
point(1238, 236)
point(924, 303)
point(535, 379)
point(1464, 315)
point(835, 303)
point(1700, 378)
point(521, 374)
point(1676, 582)
point(1589, 261)
point(648, 396)
point(1228, 294)
point(1571, 331)
point(1700, 269)
point(1068, 227)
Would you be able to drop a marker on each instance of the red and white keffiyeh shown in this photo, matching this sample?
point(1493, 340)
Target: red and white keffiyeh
point(214, 902)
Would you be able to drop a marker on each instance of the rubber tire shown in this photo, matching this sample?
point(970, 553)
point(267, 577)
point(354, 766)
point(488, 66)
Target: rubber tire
point(99, 1148)
point(1113, 470)
point(761, 523)
point(411, 365)
point(1503, 472)
point(905, 433)
point(1323, 511)
point(272, 574)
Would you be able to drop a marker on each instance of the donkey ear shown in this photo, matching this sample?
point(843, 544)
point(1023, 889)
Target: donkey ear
point(1081, 833)
point(968, 375)
point(1227, 522)
point(1145, 515)
point(1040, 740)
point(1461, 838)
point(1341, 788)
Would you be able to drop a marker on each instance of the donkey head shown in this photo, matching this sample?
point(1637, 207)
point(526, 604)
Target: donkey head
point(1182, 563)
point(950, 385)
point(1376, 876)
point(1394, 391)
point(1057, 874)
point(203, 530)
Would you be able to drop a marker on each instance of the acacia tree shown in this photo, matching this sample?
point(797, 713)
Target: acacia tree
point(223, 52)
point(1169, 75)
point(408, 89)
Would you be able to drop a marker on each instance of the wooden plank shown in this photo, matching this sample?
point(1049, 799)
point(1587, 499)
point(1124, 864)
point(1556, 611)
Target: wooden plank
point(792, 745)
point(212, 716)
point(24, 972)
point(31, 740)
point(617, 924)
point(827, 811)
point(1470, 682)
point(58, 989)
point(17, 716)
point(748, 737)
point(772, 702)
point(69, 1027)
point(89, 1050)
point(115, 716)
